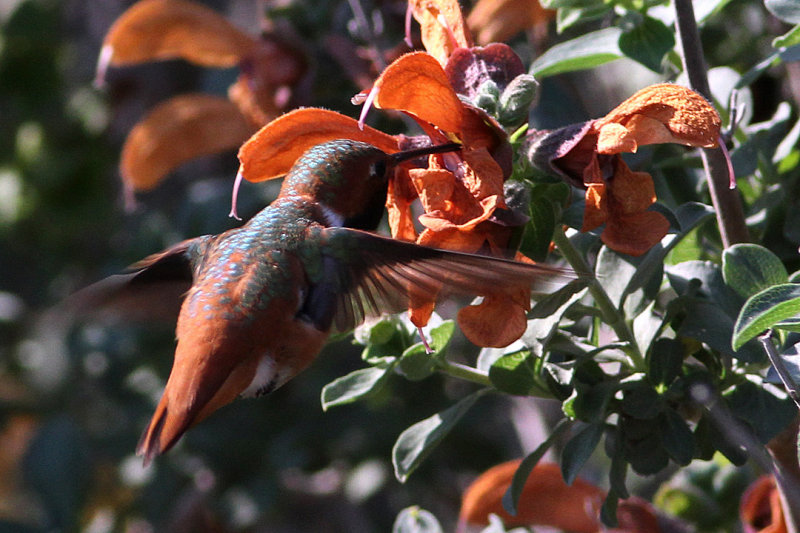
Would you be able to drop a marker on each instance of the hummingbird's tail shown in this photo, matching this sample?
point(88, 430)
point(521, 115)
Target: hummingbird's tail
point(162, 433)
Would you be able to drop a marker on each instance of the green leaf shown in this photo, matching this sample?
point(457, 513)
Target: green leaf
point(643, 447)
point(584, 52)
point(515, 373)
point(705, 323)
point(419, 440)
point(354, 386)
point(541, 330)
point(676, 437)
point(790, 358)
point(514, 492)
point(416, 520)
point(760, 409)
point(614, 271)
point(416, 363)
point(712, 287)
point(750, 268)
point(764, 310)
point(790, 38)
point(665, 361)
point(441, 336)
point(642, 402)
point(561, 4)
point(578, 450)
point(646, 327)
point(539, 230)
point(551, 303)
point(382, 332)
point(786, 10)
point(589, 403)
point(568, 17)
point(647, 42)
point(762, 141)
point(689, 216)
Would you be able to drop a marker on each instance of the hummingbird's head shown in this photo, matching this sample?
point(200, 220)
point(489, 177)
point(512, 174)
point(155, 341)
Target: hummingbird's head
point(349, 179)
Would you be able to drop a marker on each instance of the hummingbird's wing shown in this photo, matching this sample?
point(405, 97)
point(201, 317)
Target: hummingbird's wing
point(368, 275)
point(153, 288)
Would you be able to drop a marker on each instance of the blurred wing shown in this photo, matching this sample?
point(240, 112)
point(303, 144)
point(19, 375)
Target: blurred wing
point(152, 290)
point(368, 275)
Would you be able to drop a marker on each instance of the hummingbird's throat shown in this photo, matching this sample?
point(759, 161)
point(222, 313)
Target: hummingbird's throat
point(332, 217)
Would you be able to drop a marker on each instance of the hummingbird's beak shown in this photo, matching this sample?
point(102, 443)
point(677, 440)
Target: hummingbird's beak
point(399, 157)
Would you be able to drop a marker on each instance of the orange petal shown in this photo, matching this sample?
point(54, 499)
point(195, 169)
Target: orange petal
point(434, 186)
point(442, 26)
point(595, 212)
point(657, 114)
point(634, 234)
point(272, 151)
point(417, 84)
point(479, 130)
point(545, 500)
point(177, 130)
point(258, 107)
point(499, 20)
point(483, 177)
point(438, 220)
point(166, 29)
point(496, 322)
point(401, 220)
point(632, 191)
point(420, 309)
point(451, 238)
point(761, 507)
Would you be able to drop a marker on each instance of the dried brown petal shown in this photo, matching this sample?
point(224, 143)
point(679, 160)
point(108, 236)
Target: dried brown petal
point(657, 114)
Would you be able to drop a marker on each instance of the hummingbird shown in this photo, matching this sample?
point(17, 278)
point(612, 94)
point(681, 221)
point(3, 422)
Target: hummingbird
point(260, 301)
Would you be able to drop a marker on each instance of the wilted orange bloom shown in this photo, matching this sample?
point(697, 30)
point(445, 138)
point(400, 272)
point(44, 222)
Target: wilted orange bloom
point(546, 500)
point(194, 125)
point(461, 193)
point(587, 156)
point(761, 510)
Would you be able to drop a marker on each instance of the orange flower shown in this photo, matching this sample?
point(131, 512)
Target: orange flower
point(547, 501)
point(500, 20)
point(190, 126)
point(461, 193)
point(761, 510)
point(587, 156)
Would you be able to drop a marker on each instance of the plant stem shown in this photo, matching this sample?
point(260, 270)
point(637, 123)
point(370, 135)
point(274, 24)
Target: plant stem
point(611, 314)
point(457, 370)
point(728, 206)
point(780, 368)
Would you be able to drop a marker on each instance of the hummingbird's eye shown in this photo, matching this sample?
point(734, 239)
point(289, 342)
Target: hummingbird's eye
point(377, 169)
